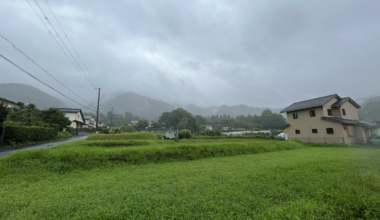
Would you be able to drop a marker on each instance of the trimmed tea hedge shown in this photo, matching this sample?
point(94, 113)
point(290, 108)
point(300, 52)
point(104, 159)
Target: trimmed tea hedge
point(19, 134)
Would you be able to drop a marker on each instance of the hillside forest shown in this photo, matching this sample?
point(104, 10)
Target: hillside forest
point(181, 119)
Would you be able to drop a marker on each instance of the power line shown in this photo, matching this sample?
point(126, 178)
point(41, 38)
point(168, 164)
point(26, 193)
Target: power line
point(77, 66)
point(17, 49)
point(71, 44)
point(41, 81)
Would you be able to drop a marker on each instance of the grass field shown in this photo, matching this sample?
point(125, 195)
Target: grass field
point(236, 179)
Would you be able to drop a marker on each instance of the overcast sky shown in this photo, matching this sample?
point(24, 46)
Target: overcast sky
point(259, 53)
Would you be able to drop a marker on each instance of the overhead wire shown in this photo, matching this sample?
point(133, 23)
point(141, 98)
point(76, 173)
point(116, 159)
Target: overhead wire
point(42, 82)
point(17, 49)
point(73, 60)
point(72, 45)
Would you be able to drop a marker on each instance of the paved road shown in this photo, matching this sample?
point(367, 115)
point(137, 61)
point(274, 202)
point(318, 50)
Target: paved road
point(9, 151)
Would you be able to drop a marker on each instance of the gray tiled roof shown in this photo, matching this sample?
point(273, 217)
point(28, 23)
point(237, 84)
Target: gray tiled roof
point(86, 117)
point(342, 101)
point(70, 110)
point(349, 122)
point(311, 103)
point(285, 126)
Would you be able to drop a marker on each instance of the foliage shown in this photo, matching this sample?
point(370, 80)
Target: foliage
point(64, 135)
point(21, 134)
point(105, 131)
point(370, 109)
point(267, 120)
point(209, 133)
point(116, 130)
point(304, 183)
point(127, 128)
point(24, 115)
point(124, 136)
point(179, 119)
point(70, 130)
point(143, 124)
point(55, 116)
point(3, 112)
point(184, 134)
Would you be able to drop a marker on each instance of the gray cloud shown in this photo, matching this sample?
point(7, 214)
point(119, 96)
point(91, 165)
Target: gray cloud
point(259, 53)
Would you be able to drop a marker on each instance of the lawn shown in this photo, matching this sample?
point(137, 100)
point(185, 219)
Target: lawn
point(262, 180)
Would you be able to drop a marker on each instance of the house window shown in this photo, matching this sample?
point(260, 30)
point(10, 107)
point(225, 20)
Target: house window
point(312, 113)
point(330, 131)
point(330, 112)
point(314, 131)
point(343, 111)
point(298, 132)
point(295, 115)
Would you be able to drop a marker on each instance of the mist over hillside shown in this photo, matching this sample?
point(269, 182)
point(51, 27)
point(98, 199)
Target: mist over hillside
point(28, 94)
point(370, 109)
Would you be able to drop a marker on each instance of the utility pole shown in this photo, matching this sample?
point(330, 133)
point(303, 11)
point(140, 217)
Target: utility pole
point(97, 113)
point(111, 116)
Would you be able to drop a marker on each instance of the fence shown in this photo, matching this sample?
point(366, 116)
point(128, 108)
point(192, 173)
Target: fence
point(330, 140)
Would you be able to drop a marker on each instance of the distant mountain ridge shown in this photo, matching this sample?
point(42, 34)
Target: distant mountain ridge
point(151, 109)
point(122, 102)
point(28, 94)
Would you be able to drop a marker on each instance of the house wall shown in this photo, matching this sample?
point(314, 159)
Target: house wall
point(305, 124)
point(74, 116)
point(327, 106)
point(7, 104)
point(351, 111)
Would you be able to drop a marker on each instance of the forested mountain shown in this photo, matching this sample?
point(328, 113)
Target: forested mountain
point(28, 94)
point(370, 109)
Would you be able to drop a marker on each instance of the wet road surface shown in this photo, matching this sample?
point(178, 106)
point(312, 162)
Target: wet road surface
point(9, 151)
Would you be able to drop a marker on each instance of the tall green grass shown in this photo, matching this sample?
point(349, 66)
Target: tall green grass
point(86, 155)
point(124, 136)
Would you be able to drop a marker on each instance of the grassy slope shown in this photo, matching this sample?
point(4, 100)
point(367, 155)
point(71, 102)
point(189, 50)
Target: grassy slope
point(124, 136)
point(338, 183)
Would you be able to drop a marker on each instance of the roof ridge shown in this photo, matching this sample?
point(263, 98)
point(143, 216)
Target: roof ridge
point(316, 98)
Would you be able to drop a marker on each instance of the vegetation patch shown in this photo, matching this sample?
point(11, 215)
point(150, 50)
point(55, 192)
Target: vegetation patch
point(84, 157)
point(124, 136)
point(117, 143)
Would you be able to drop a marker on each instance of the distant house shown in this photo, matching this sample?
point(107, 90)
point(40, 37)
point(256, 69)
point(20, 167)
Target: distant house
point(7, 103)
point(90, 121)
point(75, 116)
point(133, 123)
point(377, 130)
point(207, 127)
point(327, 119)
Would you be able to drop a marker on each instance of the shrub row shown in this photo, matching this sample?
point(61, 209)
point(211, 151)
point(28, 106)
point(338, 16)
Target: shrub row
point(124, 136)
point(116, 143)
point(20, 134)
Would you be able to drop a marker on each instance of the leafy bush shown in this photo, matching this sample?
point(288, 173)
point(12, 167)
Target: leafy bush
point(54, 126)
point(116, 130)
point(70, 130)
point(210, 133)
point(20, 134)
point(63, 135)
point(124, 136)
point(106, 131)
point(185, 134)
point(127, 128)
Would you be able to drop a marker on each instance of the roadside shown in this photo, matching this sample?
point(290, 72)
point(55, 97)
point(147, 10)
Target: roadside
point(9, 151)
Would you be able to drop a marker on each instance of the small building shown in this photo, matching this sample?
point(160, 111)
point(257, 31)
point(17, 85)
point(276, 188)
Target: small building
point(75, 116)
point(327, 119)
point(90, 121)
point(207, 127)
point(7, 103)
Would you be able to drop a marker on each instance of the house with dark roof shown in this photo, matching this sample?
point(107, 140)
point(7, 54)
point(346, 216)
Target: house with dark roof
point(90, 121)
point(327, 119)
point(75, 116)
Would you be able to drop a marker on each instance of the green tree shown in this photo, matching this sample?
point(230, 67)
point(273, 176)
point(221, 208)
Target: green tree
point(142, 124)
point(127, 128)
point(163, 117)
point(182, 119)
point(3, 112)
point(184, 134)
point(156, 125)
point(55, 116)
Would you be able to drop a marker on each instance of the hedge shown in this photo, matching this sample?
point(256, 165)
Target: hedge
point(20, 134)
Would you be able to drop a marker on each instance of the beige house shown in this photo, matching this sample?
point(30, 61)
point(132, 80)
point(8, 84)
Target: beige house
point(328, 119)
point(75, 116)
